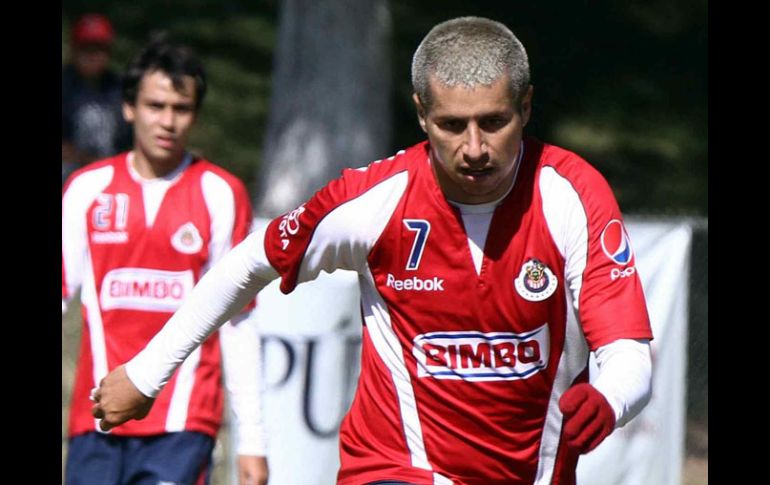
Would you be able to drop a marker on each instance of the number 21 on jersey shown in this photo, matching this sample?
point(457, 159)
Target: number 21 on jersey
point(111, 209)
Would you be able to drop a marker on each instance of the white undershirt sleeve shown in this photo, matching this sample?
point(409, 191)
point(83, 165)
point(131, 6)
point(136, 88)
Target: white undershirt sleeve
point(625, 377)
point(242, 361)
point(222, 292)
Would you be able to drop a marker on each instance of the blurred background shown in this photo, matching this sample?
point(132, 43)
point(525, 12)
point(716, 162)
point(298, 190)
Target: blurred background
point(622, 83)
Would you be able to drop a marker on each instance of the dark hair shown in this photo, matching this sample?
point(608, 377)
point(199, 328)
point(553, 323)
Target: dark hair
point(174, 60)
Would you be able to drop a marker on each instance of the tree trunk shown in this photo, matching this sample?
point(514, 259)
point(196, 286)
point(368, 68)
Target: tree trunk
point(330, 103)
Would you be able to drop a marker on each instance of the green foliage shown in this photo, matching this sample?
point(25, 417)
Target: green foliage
point(622, 83)
point(235, 40)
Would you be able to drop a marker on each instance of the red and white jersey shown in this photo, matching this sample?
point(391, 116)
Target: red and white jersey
point(461, 370)
point(136, 248)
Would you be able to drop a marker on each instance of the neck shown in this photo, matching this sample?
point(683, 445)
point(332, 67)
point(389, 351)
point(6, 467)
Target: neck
point(152, 169)
point(455, 194)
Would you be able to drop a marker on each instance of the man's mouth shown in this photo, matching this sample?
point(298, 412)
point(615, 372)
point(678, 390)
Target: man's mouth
point(477, 172)
point(164, 142)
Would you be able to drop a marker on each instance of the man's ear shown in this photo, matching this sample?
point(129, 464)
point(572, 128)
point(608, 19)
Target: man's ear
point(526, 106)
point(420, 112)
point(128, 112)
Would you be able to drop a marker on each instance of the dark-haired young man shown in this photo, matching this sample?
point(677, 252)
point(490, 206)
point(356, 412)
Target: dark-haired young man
point(138, 231)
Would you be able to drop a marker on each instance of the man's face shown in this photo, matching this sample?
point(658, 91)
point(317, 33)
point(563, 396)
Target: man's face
point(162, 118)
point(475, 136)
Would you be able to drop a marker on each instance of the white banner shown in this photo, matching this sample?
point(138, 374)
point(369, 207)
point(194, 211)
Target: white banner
point(311, 344)
point(312, 349)
point(650, 448)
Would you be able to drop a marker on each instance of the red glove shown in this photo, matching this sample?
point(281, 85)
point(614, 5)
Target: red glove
point(588, 417)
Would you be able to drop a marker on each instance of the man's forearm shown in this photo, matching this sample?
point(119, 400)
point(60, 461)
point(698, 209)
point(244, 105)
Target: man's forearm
point(219, 295)
point(625, 377)
point(242, 359)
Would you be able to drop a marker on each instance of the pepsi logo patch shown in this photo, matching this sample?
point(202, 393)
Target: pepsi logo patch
point(536, 281)
point(187, 239)
point(616, 244)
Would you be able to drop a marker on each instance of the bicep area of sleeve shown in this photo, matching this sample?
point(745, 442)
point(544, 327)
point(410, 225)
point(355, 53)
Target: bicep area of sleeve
point(335, 229)
point(587, 226)
point(612, 301)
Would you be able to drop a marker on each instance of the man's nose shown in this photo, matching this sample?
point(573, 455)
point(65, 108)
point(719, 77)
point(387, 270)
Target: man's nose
point(474, 147)
point(167, 118)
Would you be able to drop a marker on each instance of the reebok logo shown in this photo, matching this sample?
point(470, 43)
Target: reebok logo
point(415, 284)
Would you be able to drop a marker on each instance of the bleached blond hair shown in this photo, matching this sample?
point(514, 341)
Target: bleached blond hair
point(469, 51)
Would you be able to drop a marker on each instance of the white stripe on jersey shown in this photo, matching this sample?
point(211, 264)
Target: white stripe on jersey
point(78, 267)
point(439, 479)
point(180, 399)
point(363, 220)
point(573, 360)
point(388, 348)
point(77, 199)
point(344, 238)
point(95, 325)
point(240, 344)
point(220, 202)
point(568, 225)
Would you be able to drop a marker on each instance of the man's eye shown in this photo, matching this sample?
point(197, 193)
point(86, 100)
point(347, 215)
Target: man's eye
point(452, 125)
point(493, 124)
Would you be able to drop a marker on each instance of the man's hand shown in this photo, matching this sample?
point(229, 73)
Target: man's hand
point(252, 470)
point(588, 417)
point(117, 400)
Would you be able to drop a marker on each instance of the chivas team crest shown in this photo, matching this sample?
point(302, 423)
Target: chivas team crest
point(536, 281)
point(187, 239)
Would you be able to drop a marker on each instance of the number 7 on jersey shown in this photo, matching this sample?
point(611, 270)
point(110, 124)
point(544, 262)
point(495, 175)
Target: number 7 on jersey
point(422, 228)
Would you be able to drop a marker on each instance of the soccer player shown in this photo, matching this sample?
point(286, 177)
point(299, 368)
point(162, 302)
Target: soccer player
point(138, 230)
point(490, 264)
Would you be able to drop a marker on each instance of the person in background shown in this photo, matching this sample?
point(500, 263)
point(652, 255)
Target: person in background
point(138, 230)
point(491, 264)
point(92, 123)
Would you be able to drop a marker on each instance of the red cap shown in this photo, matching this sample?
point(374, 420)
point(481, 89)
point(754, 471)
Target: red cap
point(92, 28)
